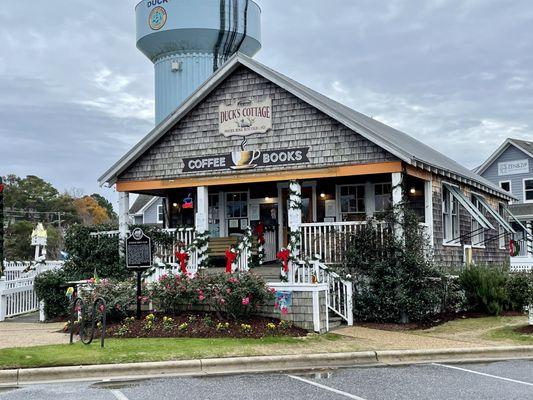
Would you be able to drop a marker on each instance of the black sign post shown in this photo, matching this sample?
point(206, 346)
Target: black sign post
point(138, 259)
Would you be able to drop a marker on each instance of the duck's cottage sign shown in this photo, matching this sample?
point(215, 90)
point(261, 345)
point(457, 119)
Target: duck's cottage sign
point(243, 118)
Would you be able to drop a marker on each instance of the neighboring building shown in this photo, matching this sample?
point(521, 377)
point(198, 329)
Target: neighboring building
point(511, 168)
point(349, 166)
point(147, 210)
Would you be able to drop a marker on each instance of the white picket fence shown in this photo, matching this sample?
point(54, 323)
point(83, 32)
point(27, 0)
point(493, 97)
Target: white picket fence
point(17, 294)
point(340, 291)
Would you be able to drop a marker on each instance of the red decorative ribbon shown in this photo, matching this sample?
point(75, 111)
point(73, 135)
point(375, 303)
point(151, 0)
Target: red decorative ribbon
point(284, 255)
point(231, 256)
point(183, 257)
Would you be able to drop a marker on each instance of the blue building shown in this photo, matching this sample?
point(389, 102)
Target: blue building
point(511, 168)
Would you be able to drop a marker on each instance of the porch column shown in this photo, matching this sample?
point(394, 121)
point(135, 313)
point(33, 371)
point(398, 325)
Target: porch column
point(529, 236)
point(294, 223)
point(428, 215)
point(202, 199)
point(123, 219)
point(397, 200)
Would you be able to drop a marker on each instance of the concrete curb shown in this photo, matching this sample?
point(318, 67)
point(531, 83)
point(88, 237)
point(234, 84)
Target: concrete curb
point(221, 366)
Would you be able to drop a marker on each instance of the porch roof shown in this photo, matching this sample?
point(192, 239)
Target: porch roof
point(401, 145)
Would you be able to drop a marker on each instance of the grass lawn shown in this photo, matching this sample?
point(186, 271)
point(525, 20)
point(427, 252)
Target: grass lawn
point(139, 350)
point(483, 330)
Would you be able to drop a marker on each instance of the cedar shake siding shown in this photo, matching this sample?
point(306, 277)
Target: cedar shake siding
point(295, 124)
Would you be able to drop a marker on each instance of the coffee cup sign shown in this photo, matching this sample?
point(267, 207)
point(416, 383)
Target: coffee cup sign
point(244, 159)
point(243, 118)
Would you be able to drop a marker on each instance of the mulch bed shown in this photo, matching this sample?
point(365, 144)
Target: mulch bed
point(202, 325)
point(429, 324)
point(527, 330)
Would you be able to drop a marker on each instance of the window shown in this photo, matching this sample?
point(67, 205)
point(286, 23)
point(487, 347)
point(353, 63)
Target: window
point(450, 216)
point(236, 205)
point(478, 232)
point(352, 202)
point(383, 196)
point(505, 185)
point(528, 190)
point(160, 215)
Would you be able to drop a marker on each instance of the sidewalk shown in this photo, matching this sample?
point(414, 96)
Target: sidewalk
point(26, 331)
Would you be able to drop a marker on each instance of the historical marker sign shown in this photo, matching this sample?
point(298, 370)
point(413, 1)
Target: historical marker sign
point(138, 250)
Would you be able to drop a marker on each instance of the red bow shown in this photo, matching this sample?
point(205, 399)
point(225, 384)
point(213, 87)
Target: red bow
point(183, 257)
point(231, 256)
point(284, 255)
point(260, 230)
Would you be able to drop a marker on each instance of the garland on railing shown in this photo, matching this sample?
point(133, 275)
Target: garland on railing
point(246, 244)
point(295, 196)
point(201, 245)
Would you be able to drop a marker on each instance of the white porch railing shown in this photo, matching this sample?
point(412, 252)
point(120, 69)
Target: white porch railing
point(24, 269)
point(340, 291)
point(330, 240)
point(521, 264)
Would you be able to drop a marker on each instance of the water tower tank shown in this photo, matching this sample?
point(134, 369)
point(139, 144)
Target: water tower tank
point(187, 40)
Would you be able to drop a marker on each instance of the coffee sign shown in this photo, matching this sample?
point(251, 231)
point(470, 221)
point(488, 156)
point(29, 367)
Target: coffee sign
point(245, 118)
point(247, 159)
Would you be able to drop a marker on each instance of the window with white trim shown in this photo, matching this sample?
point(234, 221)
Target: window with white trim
point(528, 190)
point(505, 185)
point(352, 202)
point(160, 215)
point(478, 238)
point(450, 217)
point(382, 196)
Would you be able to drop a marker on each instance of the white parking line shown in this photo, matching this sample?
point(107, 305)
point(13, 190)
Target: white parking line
point(350, 396)
point(484, 374)
point(118, 394)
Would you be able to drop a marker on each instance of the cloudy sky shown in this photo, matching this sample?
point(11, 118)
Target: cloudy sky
point(76, 94)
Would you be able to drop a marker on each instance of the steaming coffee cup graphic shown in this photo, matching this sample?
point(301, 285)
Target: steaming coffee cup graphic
point(244, 159)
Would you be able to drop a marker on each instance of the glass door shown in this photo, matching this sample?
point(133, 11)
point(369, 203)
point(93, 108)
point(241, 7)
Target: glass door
point(236, 212)
point(214, 215)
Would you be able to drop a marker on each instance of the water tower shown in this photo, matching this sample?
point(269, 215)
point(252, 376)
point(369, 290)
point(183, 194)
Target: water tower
point(187, 40)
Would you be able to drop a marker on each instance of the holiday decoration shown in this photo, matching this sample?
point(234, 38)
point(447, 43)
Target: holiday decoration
point(514, 248)
point(231, 256)
point(182, 256)
point(260, 231)
point(284, 256)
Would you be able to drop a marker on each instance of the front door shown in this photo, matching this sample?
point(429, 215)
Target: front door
point(236, 212)
point(307, 209)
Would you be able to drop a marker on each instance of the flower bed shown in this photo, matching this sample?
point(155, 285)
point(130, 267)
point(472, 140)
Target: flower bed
point(201, 325)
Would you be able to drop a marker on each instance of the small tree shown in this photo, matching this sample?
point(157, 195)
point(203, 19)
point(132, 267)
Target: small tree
point(393, 276)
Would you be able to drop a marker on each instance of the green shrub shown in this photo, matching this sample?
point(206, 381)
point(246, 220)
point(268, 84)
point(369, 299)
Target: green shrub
point(485, 288)
point(88, 254)
point(50, 287)
point(520, 290)
point(236, 295)
point(394, 279)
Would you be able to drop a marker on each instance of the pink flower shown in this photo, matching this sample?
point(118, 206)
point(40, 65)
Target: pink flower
point(222, 301)
point(201, 297)
point(228, 290)
point(245, 301)
point(284, 310)
point(233, 280)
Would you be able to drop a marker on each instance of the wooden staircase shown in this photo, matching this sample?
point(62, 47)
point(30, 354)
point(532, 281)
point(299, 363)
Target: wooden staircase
point(219, 245)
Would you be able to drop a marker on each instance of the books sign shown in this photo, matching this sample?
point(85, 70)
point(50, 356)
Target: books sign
point(246, 159)
point(138, 250)
point(245, 118)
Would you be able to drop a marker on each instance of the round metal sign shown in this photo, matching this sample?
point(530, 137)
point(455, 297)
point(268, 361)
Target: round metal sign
point(157, 18)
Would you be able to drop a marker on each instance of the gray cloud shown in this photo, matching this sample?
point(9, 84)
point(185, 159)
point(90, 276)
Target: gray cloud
point(456, 74)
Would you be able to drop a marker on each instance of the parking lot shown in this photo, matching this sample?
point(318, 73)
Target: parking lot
point(498, 380)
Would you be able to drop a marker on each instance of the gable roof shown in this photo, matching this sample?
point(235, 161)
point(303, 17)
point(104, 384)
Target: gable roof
point(522, 145)
point(403, 146)
point(141, 203)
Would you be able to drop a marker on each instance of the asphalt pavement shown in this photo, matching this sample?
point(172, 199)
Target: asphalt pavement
point(498, 380)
